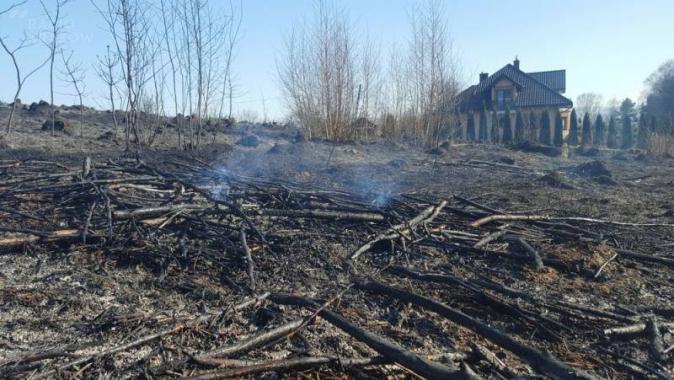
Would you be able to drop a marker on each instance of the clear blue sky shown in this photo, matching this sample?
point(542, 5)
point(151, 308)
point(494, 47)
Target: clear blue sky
point(608, 47)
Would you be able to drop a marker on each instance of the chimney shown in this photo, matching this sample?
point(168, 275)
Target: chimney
point(516, 63)
point(483, 77)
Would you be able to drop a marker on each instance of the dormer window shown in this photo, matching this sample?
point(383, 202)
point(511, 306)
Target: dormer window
point(504, 97)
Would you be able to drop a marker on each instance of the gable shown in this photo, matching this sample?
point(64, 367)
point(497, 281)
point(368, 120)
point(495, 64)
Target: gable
point(531, 92)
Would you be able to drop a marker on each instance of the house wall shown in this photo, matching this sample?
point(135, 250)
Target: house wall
point(526, 112)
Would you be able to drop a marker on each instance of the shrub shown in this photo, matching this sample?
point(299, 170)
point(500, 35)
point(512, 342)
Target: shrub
point(559, 130)
point(573, 129)
point(587, 131)
point(545, 128)
point(599, 127)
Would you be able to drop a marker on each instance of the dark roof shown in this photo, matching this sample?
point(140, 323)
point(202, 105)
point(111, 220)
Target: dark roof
point(532, 92)
point(555, 79)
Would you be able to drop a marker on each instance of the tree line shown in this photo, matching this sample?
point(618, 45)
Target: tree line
point(164, 57)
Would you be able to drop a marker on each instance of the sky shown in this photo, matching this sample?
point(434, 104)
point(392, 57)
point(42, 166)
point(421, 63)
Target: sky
point(607, 47)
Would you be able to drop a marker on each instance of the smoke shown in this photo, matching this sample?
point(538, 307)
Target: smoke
point(371, 177)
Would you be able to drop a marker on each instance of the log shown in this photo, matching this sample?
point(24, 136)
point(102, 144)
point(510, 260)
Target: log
point(541, 362)
point(394, 352)
point(249, 259)
point(511, 217)
point(425, 216)
point(324, 214)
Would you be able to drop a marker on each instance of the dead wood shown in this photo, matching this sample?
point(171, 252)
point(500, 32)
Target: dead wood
point(543, 363)
point(511, 217)
point(385, 348)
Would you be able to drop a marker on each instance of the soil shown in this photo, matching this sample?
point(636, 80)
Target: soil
point(71, 294)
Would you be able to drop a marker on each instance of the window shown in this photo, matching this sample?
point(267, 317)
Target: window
point(503, 98)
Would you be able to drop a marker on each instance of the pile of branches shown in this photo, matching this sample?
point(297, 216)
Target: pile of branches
point(336, 284)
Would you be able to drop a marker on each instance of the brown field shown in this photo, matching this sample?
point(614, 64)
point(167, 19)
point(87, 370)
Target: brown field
point(151, 294)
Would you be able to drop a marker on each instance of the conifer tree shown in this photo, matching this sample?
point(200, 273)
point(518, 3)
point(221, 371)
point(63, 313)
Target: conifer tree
point(612, 138)
point(482, 136)
point(573, 129)
point(519, 128)
point(470, 127)
point(545, 128)
point(627, 132)
point(653, 127)
point(559, 130)
point(507, 127)
point(643, 132)
point(587, 131)
point(599, 127)
point(532, 128)
point(494, 127)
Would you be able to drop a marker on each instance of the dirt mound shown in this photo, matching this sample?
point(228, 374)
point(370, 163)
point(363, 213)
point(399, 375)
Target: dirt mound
point(596, 171)
point(40, 108)
point(107, 136)
point(250, 141)
point(59, 126)
point(439, 151)
point(277, 149)
point(555, 179)
point(529, 147)
point(588, 152)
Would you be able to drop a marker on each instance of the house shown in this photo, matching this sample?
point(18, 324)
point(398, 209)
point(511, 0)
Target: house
point(512, 88)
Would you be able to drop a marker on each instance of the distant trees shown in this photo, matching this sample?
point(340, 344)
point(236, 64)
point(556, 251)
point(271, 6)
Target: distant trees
point(558, 139)
point(660, 98)
point(589, 102)
point(532, 127)
point(612, 137)
point(519, 128)
point(627, 132)
point(573, 129)
point(319, 74)
point(644, 132)
point(587, 131)
point(324, 69)
point(599, 127)
point(628, 113)
point(545, 128)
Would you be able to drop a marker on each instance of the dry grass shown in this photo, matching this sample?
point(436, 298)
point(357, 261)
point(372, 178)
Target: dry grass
point(661, 144)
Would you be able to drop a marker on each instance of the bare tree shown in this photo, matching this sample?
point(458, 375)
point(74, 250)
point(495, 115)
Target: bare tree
point(52, 45)
point(106, 71)
point(12, 6)
point(128, 24)
point(322, 72)
point(20, 79)
point(433, 74)
point(589, 103)
point(74, 75)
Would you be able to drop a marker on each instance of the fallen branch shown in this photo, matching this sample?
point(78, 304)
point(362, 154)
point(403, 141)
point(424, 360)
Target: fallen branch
point(511, 217)
point(541, 362)
point(406, 359)
point(425, 216)
point(249, 259)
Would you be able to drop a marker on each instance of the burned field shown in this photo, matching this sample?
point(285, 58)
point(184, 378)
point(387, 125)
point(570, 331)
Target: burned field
point(480, 263)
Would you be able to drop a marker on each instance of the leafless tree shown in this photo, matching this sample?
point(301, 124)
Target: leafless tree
point(433, 74)
point(20, 79)
point(52, 44)
point(75, 74)
point(589, 103)
point(322, 72)
point(106, 68)
point(12, 6)
point(130, 29)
